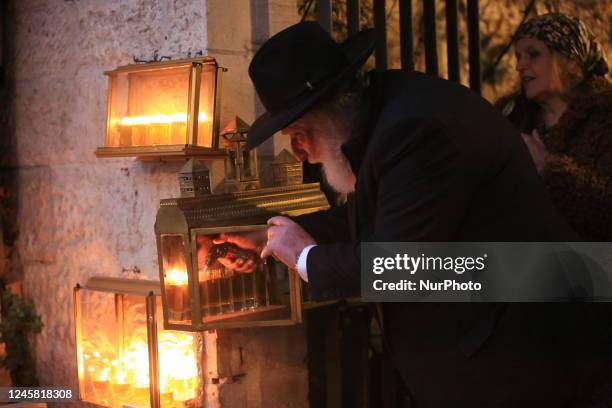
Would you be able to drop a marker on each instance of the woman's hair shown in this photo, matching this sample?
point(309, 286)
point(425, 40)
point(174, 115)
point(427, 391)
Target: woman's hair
point(570, 37)
point(577, 57)
point(565, 74)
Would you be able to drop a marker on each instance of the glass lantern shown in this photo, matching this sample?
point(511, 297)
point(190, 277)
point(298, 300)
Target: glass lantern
point(200, 291)
point(164, 109)
point(123, 359)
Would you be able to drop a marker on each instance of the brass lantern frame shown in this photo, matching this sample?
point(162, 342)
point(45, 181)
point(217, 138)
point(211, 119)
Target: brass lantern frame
point(232, 212)
point(172, 151)
point(231, 320)
point(120, 287)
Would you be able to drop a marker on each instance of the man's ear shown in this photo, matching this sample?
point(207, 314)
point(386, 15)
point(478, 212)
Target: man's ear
point(299, 153)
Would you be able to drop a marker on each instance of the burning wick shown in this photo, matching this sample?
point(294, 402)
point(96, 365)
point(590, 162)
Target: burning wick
point(176, 277)
point(176, 289)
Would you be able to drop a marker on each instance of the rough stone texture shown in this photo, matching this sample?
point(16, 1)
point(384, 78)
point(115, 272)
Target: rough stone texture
point(263, 367)
point(79, 216)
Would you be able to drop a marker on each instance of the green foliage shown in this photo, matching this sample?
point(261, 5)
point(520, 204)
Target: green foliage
point(18, 321)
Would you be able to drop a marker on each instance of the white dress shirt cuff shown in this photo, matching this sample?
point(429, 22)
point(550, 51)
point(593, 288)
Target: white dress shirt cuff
point(301, 262)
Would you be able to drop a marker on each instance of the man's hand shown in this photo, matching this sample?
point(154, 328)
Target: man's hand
point(286, 240)
point(254, 241)
point(536, 147)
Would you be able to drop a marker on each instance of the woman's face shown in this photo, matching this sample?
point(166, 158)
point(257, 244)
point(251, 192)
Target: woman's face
point(534, 63)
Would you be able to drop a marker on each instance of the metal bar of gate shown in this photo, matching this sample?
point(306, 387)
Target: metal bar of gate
point(431, 50)
point(474, 44)
point(352, 16)
point(324, 14)
point(452, 41)
point(381, 34)
point(406, 43)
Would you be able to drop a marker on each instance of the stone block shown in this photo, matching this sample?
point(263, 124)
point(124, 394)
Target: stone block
point(60, 120)
point(114, 32)
point(67, 37)
point(44, 40)
point(228, 28)
point(266, 364)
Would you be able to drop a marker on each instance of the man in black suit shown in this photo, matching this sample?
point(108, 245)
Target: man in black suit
point(422, 159)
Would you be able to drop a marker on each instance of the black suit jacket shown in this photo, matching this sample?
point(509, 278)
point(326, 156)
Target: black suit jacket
point(436, 162)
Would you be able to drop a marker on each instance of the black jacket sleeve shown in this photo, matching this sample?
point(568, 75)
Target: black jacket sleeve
point(326, 226)
point(418, 190)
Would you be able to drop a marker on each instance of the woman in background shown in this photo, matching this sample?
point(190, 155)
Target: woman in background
point(564, 111)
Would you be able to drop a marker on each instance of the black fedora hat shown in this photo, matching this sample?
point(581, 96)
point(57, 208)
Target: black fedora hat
point(298, 67)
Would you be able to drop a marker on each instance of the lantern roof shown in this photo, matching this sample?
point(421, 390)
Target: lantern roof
point(235, 129)
point(285, 157)
point(193, 166)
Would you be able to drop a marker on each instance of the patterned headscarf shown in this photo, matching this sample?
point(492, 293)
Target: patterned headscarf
point(570, 37)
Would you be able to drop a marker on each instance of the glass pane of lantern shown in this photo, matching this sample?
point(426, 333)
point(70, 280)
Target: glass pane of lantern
point(100, 345)
point(207, 102)
point(226, 294)
point(148, 107)
point(116, 354)
point(175, 277)
point(178, 367)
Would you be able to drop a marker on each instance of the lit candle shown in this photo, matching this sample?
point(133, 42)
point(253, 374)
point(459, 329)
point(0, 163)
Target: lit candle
point(166, 396)
point(157, 129)
point(141, 385)
point(176, 290)
point(100, 382)
point(125, 135)
point(165, 390)
point(119, 384)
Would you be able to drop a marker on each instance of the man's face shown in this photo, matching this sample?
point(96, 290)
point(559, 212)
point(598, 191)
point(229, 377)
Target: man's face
point(320, 141)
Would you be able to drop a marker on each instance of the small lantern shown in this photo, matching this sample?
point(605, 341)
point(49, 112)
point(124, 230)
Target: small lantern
point(123, 359)
point(199, 291)
point(241, 170)
point(194, 179)
point(286, 169)
point(164, 109)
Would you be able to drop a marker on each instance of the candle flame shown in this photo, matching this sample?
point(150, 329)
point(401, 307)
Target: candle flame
point(120, 377)
point(176, 276)
point(103, 375)
point(160, 119)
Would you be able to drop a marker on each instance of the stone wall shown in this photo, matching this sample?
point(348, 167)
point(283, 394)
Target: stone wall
point(79, 216)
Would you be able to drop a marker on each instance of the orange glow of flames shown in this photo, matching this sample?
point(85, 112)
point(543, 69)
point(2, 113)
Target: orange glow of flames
point(176, 276)
point(160, 119)
point(177, 364)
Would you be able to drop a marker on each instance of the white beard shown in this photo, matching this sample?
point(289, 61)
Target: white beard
point(336, 168)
